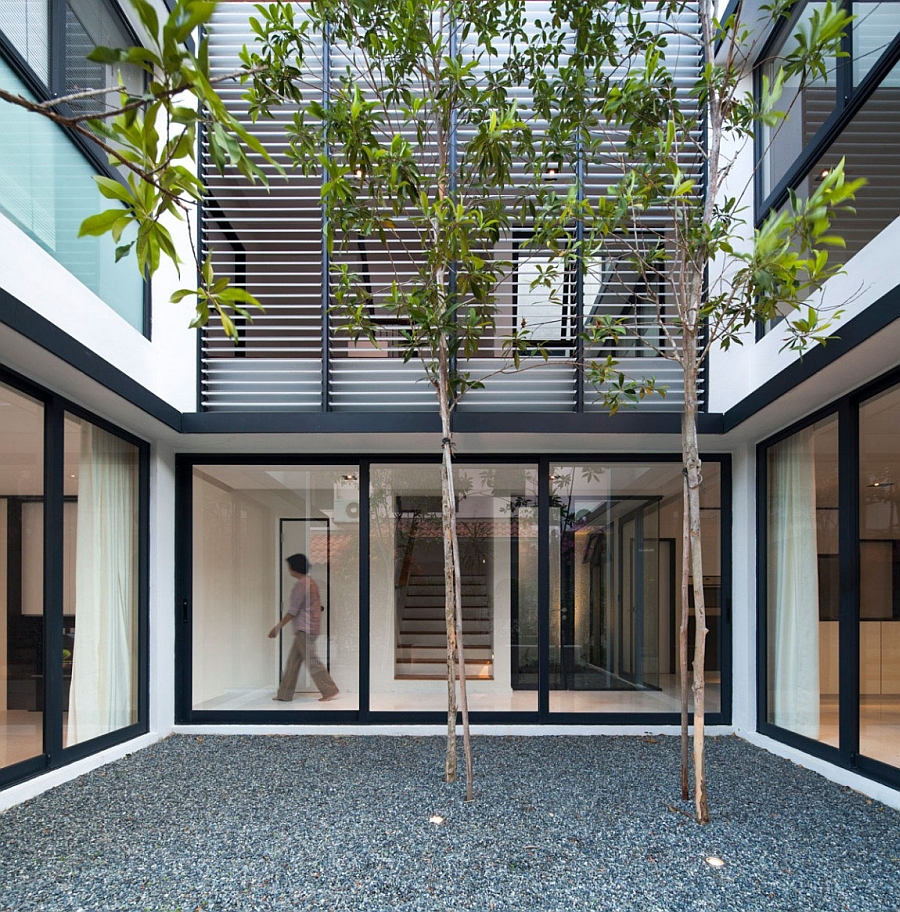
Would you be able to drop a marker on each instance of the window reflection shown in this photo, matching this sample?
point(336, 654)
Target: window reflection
point(879, 573)
point(498, 540)
point(615, 595)
point(806, 107)
point(247, 521)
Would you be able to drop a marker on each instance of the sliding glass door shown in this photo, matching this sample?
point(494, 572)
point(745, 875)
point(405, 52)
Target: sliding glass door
point(569, 578)
point(615, 598)
point(831, 612)
point(73, 632)
point(249, 521)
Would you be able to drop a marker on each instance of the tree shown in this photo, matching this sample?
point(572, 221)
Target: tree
point(419, 140)
point(700, 275)
point(421, 136)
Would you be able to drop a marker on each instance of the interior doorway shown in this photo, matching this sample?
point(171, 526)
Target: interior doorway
point(311, 537)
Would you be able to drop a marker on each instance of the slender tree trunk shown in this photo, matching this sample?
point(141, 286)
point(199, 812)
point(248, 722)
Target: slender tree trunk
point(683, 639)
point(456, 666)
point(691, 459)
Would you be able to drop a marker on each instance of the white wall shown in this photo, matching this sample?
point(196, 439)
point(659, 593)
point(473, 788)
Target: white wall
point(235, 595)
point(869, 275)
point(162, 591)
point(165, 364)
point(743, 588)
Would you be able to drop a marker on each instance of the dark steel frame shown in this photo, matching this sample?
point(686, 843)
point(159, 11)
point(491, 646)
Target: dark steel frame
point(56, 40)
point(185, 714)
point(55, 755)
point(847, 754)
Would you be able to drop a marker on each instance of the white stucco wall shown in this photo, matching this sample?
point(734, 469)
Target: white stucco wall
point(165, 364)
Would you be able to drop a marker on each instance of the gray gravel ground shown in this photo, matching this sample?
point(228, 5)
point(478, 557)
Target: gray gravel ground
point(273, 823)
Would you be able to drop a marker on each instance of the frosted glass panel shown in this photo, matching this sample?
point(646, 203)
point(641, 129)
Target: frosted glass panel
point(47, 188)
point(25, 24)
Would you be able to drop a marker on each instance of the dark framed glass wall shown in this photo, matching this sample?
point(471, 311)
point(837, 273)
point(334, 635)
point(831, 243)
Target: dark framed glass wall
point(570, 578)
point(73, 576)
point(829, 552)
point(847, 112)
point(47, 176)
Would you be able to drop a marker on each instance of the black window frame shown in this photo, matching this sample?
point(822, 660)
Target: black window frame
point(44, 91)
point(54, 755)
point(848, 103)
point(185, 714)
point(846, 755)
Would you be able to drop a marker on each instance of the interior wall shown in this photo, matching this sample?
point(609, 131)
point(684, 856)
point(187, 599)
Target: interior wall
point(235, 599)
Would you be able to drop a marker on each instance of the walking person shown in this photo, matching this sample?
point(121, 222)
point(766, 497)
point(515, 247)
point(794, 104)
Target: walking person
point(305, 614)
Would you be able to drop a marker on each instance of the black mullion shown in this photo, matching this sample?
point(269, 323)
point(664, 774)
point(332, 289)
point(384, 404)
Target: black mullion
point(580, 168)
point(844, 65)
point(54, 468)
point(726, 519)
point(543, 588)
point(365, 633)
point(848, 550)
point(183, 586)
point(56, 68)
point(143, 595)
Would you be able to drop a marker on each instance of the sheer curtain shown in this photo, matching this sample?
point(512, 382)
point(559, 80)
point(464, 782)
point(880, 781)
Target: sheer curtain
point(794, 585)
point(102, 694)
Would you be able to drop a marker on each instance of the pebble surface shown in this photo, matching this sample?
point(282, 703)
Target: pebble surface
point(272, 823)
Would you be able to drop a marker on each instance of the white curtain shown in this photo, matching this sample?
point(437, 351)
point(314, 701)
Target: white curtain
point(794, 585)
point(102, 693)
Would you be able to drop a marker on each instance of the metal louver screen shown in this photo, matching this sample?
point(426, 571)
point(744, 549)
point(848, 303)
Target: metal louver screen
point(270, 240)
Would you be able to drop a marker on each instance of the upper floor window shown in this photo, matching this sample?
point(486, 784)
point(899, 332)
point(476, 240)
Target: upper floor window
point(47, 183)
point(849, 114)
point(807, 107)
point(89, 24)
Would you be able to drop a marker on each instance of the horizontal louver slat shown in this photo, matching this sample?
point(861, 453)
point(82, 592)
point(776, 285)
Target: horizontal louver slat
point(270, 241)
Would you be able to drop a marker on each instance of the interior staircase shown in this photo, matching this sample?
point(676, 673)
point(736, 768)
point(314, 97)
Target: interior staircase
point(421, 647)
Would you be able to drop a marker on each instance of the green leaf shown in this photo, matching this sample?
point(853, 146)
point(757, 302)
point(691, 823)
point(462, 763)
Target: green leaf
point(98, 224)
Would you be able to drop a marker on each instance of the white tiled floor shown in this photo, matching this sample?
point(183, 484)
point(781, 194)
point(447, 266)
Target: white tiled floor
point(21, 735)
point(879, 729)
point(480, 700)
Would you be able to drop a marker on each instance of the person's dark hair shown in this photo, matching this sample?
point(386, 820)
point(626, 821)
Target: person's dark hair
point(298, 563)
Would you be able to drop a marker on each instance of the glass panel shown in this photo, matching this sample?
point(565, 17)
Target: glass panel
point(89, 24)
point(25, 23)
point(615, 595)
point(47, 188)
point(248, 520)
point(807, 109)
point(21, 577)
point(803, 585)
point(874, 27)
point(879, 596)
point(870, 144)
point(498, 552)
point(100, 583)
